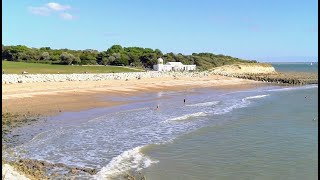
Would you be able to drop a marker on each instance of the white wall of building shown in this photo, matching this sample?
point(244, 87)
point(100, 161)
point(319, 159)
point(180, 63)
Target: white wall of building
point(172, 66)
point(166, 67)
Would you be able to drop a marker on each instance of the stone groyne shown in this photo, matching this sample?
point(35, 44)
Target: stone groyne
point(31, 78)
point(280, 78)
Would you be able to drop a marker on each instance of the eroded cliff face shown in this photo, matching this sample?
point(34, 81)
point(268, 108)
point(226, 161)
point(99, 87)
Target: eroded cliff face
point(245, 68)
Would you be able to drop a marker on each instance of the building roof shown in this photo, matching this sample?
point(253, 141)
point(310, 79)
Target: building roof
point(174, 63)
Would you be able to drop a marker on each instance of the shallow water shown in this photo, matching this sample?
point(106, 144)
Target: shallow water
point(217, 133)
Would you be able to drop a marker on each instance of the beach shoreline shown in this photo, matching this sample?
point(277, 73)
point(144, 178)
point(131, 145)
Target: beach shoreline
point(51, 98)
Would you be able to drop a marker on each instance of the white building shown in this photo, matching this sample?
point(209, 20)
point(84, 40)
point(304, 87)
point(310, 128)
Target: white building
point(172, 66)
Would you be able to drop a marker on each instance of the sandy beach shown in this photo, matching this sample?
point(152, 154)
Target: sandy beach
point(48, 98)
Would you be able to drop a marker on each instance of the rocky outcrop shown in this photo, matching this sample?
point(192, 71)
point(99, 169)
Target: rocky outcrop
point(39, 169)
point(280, 78)
point(9, 173)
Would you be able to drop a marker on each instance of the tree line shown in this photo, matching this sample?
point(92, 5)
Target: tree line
point(115, 55)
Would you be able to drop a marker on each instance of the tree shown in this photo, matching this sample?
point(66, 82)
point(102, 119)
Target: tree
point(102, 57)
point(149, 59)
point(115, 49)
point(45, 48)
point(28, 56)
point(115, 55)
point(124, 59)
point(76, 60)
point(88, 58)
point(6, 54)
point(11, 53)
point(45, 56)
point(115, 59)
point(55, 58)
point(158, 52)
point(110, 60)
point(67, 58)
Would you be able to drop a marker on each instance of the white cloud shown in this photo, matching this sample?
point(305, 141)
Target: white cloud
point(42, 11)
point(50, 8)
point(66, 16)
point(57, 7)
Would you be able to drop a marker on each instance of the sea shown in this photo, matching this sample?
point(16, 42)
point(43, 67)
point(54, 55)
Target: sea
point(296, 66)
point(259, 132)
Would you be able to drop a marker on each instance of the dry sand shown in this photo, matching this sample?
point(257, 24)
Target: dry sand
point(50, 98)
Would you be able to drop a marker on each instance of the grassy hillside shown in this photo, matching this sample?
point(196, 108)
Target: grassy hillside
point(36, 68)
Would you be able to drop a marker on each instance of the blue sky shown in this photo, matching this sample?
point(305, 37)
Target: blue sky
point(272, 30)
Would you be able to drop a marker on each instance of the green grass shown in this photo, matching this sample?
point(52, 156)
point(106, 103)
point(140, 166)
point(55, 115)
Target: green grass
point(36, 68)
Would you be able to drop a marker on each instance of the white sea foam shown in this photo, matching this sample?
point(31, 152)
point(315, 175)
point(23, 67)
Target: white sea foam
point(184, 117)
point(235, 105)
point(243, 103)
point(204, 104)
point(44, 136)
point(119, 112)
point(132, 159)
point(257, 97)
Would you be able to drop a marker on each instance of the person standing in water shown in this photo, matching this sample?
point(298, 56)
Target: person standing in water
point(184, 101)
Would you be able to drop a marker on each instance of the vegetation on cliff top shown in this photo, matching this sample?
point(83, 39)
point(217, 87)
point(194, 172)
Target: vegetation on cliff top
point(115, 55)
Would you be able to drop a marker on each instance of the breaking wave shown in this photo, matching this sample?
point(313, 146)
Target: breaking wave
point(131, 159)
point(187, 116)
point(204, 104)
point(257, 97)
point(294, 88)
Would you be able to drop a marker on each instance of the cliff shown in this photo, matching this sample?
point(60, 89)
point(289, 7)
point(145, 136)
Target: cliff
point(244, 68)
